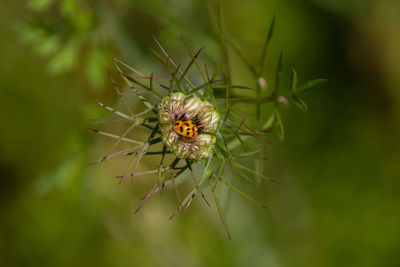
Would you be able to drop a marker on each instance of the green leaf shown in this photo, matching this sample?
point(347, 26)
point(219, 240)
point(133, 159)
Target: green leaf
point(266, 44)
point(194, 59)
point(239, 51)
point(279, 70)
point(269, 122)
point(217, 70)
point(64, 59)
point(259, 169)
point(219, 208)
point(48, 45)
point(281, 129)
point(300, 102)
point(235, 164)
point(237, 190)
point(311, 85)
point(294, 79)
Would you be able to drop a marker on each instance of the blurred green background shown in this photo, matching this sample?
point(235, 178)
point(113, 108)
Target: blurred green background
point(336, 198)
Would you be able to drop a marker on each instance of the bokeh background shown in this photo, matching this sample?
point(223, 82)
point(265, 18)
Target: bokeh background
point(336, 198)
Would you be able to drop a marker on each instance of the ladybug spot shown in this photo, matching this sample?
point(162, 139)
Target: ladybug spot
point(181, 128)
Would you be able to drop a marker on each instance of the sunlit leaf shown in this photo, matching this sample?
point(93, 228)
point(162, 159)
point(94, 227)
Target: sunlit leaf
point(311, 85)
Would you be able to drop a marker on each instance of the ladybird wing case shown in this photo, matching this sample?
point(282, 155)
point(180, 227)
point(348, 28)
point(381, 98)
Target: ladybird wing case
point(186, 128)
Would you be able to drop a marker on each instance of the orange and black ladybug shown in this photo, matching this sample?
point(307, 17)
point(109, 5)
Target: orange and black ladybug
point(186, 128)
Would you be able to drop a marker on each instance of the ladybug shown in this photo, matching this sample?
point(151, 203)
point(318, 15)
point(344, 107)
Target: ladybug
point(186, 128)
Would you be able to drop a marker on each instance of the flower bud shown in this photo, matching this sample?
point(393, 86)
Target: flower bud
point(176, 107)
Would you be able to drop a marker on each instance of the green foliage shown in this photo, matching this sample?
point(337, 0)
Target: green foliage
point(67, 33)
point(97, 63)
point(77, 43)
point(334, 203)
point(232, 133)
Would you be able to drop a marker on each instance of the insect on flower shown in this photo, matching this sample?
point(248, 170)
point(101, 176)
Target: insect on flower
point(189, 125)
point(185, 138)
point(187, 128)
point(193, 126)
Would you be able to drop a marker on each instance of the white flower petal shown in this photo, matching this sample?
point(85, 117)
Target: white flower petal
point(213, 124)
point(209, 121)
point(177, 101)
point(192, 107)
